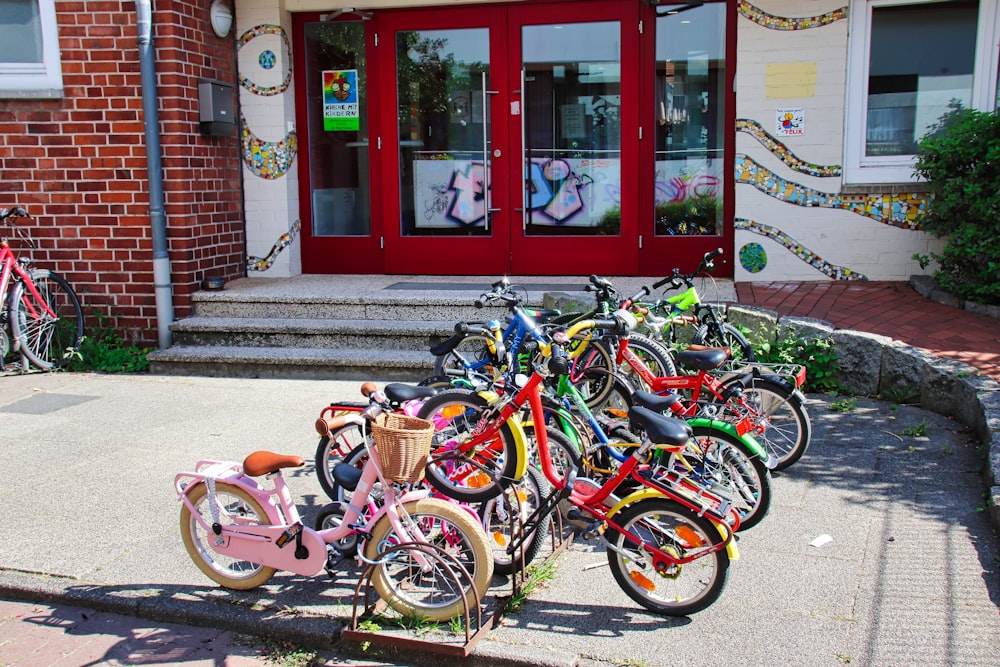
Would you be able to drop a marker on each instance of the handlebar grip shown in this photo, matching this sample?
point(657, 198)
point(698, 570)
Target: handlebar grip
point(660, 283)
point(461, 327)
point(600, 283)
point(324, 426)
point(478, 303)
point(709, 256)
point(367, 388)
point(641, 293)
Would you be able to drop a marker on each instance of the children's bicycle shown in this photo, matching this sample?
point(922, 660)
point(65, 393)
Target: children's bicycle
point(669, 542)
point(239, 531)
point(40, 309)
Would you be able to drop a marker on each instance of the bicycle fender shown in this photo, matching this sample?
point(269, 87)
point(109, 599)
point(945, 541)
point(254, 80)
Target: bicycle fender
point(751, 442)
point(642, 494)
point(520, 437)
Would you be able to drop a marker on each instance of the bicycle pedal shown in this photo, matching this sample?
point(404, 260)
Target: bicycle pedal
point(593, 531)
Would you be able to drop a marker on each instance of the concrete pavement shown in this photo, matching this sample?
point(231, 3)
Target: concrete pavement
point(910, 576)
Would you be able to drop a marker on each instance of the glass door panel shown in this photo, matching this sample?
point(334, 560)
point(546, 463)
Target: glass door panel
point(572, 128)
point(443, 79)
point(336, 198)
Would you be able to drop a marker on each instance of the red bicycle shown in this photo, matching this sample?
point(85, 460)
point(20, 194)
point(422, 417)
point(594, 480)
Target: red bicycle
point(40, 309)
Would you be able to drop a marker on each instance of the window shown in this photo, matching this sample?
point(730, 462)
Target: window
point(908, 64)
point(29, 49)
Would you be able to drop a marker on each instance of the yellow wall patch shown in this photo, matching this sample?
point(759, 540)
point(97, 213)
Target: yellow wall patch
point(791, 80)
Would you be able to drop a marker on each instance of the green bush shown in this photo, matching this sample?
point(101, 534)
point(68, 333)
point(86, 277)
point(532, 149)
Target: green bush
point(104, 350)
point(960, 159)
point(817, 355)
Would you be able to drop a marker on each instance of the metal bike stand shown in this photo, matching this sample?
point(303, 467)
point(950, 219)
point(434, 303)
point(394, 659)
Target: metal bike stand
point(456, 571)
point(522, 530)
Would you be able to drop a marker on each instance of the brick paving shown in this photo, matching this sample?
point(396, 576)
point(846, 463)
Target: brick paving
point(892, 309)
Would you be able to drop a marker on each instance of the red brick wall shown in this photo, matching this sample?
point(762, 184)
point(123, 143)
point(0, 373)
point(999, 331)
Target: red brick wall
point(78, 164)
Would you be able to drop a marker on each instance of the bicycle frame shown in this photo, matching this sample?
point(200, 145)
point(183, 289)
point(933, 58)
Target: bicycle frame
point(12, 269)
point(592, 501)
point(266, 545)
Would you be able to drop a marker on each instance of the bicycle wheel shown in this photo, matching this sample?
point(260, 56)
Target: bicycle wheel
point(726, 461)
point(592, 372)
point(470, 475)
point(654, 355)
point(334, 449)
point(726, 335)
point(678, 590)
point(471, 357)
point(781, 422)
point(504, 516)
point(235, 506)
point(45, 340)
point(330, 516)
point(432, 592)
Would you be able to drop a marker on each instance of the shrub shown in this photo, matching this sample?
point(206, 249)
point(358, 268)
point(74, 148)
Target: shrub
point(817, 355)
point(103, 349)
point(960, 159)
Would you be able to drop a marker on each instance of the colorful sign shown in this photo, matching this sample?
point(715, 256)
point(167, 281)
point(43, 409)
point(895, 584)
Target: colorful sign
point(790, 122)
point(340, 100)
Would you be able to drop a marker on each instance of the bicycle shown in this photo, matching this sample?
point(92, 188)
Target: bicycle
point(429, 557)
point(480, 354)
point(344, 446)
point(41, 310)
point(710, 328)
point(671, 541)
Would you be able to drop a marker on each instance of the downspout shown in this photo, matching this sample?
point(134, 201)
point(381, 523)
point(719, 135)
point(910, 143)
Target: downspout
point(157, 218)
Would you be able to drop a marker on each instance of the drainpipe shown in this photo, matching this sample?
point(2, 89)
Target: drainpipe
point(157, 218)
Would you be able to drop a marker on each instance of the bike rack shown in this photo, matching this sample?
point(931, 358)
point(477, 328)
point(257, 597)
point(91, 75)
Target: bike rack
point(364, 591)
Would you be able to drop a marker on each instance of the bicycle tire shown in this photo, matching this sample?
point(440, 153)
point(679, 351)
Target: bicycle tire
point(333, 449)
point(592, 371)
point(738, 470)
point(228, 572)
point(654, 355)
point(782, 424)
point(681, 589)
point(725, 336)
point(47, 343)
point(432, 595)
point(474, 351)
point(470, 477)
point(520, 499)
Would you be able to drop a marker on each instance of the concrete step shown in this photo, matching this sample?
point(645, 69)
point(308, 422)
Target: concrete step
point(292, 363)
point(406, 308)
point(310, 333)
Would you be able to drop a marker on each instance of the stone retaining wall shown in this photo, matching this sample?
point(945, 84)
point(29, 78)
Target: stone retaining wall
point(873, 365)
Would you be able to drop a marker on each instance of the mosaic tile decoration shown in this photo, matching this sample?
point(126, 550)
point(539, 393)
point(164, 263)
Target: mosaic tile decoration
point(249, 36)
point(267, 159)
point(898, 210)
point(780, 151)
point(285, 240)
point(806, 255)
point(762, 18)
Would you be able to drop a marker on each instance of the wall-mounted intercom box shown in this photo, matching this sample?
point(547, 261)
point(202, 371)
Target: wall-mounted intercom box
point(216, 107)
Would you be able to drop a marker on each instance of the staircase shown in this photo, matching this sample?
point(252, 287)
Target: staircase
point(331, 327)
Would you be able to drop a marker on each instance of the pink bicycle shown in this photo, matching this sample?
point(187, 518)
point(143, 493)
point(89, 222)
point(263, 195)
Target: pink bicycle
point(430, 557)
point(40, 308)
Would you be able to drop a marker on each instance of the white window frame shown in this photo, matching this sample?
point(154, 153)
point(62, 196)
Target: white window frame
point(37, 80)
point(860, 169)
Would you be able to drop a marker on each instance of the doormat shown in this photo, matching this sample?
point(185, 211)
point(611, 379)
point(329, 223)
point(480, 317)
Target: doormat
point(471, 287)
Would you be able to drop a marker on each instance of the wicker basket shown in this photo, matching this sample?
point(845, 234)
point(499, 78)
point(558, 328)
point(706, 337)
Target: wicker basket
point(403, 444)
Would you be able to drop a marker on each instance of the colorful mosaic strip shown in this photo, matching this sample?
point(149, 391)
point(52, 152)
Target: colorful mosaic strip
point(760, 17)
point(806, 255)
point(780, 151)
point(268, 159)
point(285, 240)
point(250, 35)
point(898, 210)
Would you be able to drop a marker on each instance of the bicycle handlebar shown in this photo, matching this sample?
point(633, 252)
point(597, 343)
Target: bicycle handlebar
point(678, 279)
point(16, 212)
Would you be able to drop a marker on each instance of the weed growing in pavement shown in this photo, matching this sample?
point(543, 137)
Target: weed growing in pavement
point(457, 625)
point(917, 430)
point(370, 626)
point(843, 658)
point(285, 654)
point(634, 662)
point(848, 404)
point(897, 395)
point(537, 574)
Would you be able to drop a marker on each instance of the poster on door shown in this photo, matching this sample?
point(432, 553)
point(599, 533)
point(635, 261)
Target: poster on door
point(560, 192)
point(340, 101)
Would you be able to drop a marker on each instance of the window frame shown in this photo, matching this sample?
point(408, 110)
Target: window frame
point(37, 80)
point(859, 169)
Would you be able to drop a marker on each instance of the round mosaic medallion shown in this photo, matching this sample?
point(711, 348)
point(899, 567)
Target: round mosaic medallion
point(267, 59)
point(753, 258)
